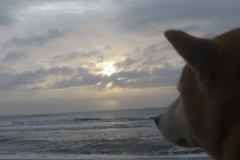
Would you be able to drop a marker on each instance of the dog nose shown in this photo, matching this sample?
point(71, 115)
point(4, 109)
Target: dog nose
point(156, 120)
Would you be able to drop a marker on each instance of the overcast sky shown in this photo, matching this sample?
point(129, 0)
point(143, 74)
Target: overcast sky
point(71, 56)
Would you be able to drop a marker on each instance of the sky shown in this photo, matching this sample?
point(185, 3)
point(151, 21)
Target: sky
point(86, 55)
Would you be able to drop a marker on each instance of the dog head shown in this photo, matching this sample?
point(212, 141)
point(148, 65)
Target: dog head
point(206, 114)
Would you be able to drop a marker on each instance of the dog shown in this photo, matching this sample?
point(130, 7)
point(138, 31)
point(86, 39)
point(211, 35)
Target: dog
point(207, 112)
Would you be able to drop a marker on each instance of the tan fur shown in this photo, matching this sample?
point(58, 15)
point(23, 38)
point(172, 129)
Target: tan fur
point(209, 94)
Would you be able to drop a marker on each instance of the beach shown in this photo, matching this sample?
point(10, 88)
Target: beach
point(137, 159)
point(130, 159)
point(180, 159)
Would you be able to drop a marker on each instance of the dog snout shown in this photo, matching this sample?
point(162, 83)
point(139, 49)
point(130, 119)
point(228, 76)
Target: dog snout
point(156, 120)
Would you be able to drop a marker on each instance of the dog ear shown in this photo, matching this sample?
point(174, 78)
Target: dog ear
point(198, 52)
point(203, 55)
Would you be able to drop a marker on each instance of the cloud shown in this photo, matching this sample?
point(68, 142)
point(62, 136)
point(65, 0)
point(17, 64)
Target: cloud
point(31, 77)
point(166, 76)
point(107, 48)
point(192, 27)
point(209, 35)
point(63, 70)
point(152, 54)
point(126, 63)
point(37, 40)
point(48, 79)
point(150, 16)
point(7, 17)
point(74, 55)
point(14, 56)
point(143, 78)
point(89, 80)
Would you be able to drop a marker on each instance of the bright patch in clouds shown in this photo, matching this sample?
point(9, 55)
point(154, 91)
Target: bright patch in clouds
point(67, 7)
point(108, 68)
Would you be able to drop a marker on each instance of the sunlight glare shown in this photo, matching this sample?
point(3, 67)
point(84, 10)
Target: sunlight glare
point(108, 68)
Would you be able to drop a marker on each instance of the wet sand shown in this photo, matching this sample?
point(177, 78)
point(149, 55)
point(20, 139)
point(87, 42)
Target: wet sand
point(137, 159)
point(178, 159)
point(197, 158)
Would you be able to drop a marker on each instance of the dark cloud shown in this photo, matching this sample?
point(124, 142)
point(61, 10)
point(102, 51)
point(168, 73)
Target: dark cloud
point(6, 18)
point(10, 10)
point(74, 55)
point(86, 79)
point(171, 14)
point(151, 55)
point(190, 28)
point(10, 81)
point(14, 56)
point(63, 70)
point(154, 60)
point(126, 63)
point(65, 57)
point(146, 78)
point(7, 9)
point(107, 48)
point(210, 35)
point(37, 40)
point(152, 49)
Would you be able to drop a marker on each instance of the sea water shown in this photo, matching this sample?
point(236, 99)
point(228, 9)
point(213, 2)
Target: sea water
point(115, 134)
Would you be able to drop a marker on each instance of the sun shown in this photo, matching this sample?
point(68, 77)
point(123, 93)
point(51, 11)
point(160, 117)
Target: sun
point(108, 68)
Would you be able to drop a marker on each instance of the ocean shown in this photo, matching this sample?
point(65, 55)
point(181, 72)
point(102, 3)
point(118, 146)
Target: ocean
point(114, 134)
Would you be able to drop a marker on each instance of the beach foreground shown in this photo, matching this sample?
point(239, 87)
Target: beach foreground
point(180, 159)
point(141, 159)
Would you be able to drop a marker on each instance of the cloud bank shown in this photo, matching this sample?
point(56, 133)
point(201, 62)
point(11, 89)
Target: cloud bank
point(84, 54)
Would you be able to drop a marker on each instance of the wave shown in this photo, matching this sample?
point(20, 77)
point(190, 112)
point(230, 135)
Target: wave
point(123, 148)
point(93, 156)
point(87, 119)
point(79, 126)
point(66, 121)
point(118, 146)
point(114, 120)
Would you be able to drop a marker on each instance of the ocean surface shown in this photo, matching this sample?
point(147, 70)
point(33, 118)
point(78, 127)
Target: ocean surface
point(115, 134)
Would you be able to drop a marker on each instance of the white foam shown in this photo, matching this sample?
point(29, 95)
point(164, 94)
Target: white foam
point(93, 156)
point(80, 126)
point(170, 154)
point(190, 154)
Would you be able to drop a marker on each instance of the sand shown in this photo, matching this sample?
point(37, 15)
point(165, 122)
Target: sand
point(140, 159)
point(178, 159)
point(203, 158)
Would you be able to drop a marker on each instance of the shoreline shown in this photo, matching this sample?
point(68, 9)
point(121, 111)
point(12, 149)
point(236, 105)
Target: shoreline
point(190, 158)
point(197, 158)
